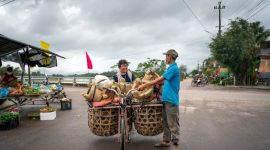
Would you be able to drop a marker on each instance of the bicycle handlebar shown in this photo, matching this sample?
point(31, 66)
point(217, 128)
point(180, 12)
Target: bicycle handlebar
point(113, 90)
point(131, 91)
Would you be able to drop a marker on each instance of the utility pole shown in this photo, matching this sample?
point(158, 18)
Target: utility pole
point(198, 67)
point(219, 7)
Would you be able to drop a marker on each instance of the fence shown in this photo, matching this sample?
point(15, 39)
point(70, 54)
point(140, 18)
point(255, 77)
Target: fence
point(74, 81)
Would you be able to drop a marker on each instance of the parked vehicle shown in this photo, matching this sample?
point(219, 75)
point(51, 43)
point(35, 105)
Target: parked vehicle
point(263, 79)
point(199, 80)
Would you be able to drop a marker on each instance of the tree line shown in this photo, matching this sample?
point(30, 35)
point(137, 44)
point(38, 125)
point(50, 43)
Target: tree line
point(238, 48)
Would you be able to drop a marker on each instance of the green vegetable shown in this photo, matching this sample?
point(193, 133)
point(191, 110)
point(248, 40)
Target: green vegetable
point(7, 116)
point(32, 91)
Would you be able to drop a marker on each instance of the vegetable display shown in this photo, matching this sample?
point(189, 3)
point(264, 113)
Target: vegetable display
point(47, 109)
point(8, 116)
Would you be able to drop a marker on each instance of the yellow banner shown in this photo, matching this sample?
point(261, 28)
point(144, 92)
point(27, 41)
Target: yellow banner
point(46, 46)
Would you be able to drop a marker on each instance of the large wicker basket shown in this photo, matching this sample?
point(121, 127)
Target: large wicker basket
point(148, 121)
point(103, 122)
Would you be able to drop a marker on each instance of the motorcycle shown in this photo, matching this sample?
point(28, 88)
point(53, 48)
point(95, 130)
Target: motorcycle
point(199, 81)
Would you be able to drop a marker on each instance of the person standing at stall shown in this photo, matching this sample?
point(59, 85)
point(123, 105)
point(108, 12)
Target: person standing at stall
point(8, 79)
point(170, 100)
point(124, 72)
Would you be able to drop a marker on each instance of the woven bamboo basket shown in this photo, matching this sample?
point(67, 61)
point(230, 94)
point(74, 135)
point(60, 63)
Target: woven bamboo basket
point(148, 120)
point(103, 122)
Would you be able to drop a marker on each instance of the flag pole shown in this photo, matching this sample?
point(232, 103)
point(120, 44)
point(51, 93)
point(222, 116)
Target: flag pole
point(89, 63)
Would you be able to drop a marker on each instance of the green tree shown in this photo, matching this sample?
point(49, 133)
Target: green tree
point(194, 71)
point(114, 67)
point(16, 71)
point(183, 69)
point(36, 73)
point(155, 64)
point(238, 47)
point(109, 74)
point(57, 75)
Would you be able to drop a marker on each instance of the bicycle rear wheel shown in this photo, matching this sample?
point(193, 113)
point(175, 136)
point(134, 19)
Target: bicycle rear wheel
point(123, 134)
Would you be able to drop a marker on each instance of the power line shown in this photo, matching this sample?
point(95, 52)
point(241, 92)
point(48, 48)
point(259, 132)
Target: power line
point(252, 10)
point(258, 11)
point(238, 10)
point(196, 17)
point(6, 2)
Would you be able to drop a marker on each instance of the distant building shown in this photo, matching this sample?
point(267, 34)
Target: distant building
point(265, 58)
point(264, 68)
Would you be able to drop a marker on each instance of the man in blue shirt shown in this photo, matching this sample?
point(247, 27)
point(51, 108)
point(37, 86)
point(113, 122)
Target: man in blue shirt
point(170, 100)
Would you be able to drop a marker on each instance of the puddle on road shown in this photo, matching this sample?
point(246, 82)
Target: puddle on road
point(246, 114)
point(187, 109)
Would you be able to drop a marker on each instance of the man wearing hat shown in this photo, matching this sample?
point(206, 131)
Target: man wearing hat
point(170, 100)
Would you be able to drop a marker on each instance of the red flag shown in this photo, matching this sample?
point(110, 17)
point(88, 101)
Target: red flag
point(89, 62)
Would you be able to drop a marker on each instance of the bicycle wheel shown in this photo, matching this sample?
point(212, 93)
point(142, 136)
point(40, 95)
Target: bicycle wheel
point(193, 83)
point(123, 132)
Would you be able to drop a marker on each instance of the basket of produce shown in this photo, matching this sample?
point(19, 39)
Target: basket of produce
point(103, 122)
point(17, 91)
point(48, 113)
point(148, 120)
point(34, 115)
point(9, 120)
point(47, 109)
point(32, 92)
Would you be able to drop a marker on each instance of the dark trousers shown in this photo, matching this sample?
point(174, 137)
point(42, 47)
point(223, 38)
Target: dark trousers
point(170, 115)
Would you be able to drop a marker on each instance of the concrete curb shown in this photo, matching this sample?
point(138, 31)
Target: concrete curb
point(251, 87)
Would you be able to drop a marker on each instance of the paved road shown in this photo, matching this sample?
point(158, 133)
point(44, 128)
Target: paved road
point(212, 118)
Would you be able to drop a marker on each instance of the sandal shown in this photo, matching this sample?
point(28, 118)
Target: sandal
point(162, 144)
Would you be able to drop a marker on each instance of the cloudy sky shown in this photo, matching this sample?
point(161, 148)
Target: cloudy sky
point(110, 30)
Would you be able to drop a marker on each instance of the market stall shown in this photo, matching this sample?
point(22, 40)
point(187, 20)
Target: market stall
point(30, 56)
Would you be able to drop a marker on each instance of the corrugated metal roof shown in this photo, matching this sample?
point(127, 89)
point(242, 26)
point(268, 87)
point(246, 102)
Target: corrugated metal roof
point(8, 46)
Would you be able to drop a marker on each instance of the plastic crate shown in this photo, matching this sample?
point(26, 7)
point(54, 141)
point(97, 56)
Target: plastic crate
point(66, 105)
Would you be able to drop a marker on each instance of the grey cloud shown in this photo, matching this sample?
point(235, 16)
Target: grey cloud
point(47, 19)
point(113, 29)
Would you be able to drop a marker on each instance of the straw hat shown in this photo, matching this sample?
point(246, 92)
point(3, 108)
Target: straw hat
point(150, 75)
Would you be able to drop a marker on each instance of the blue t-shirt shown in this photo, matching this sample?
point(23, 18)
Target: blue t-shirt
point(171, 85)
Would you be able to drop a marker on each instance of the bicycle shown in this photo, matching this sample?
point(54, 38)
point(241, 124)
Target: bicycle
point(114, 119)
point(123, 118)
